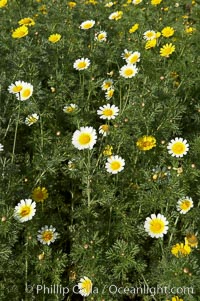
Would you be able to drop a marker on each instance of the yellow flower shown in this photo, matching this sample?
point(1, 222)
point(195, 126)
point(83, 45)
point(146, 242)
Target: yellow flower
point(167, 32)
point(146, 143)
point(167, 49)
point(156, 2)
point(190, 29)
point(191, 240)
point(176, 298)
point(26, 22)
point(116, 15)
point(107, 150)
point(54, 38)
point(134, 28)
point(20, 32)
point(180, 250)
point(3, 3)
point(71, 4)
point(40, 194)
point(151, 44)
point(43, 9)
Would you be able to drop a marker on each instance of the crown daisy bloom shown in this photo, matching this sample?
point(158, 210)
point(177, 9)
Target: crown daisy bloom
point(115, 164)
point(107, 84)
point(133, 58)
point(20, 32)
point(16, 87)
point(40, 194)
point(184, 204)
point(128, 71)
point(54, 38)
point(85, 286)
point(27, 22)
point(101, 36)
point(31, 119)
point(47, 235)
point(71, 108)
point(104, 129)
point(81, 64)
point(156, 226)
point(125, 55)
point(26, 92)
point(3, 3)
point(116, 15)
point(108, 112)
point(178, 147)
point(146, 143)
point(167, 32)
point(87, 24)
point(180, 250)
point(109, 93)
point(149, 35)
point(167, 49)
point(85, 138)
point(25, 210)
point(136, 2)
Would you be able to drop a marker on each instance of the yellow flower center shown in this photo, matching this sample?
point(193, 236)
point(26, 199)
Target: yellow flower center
point(157, 226)
point(178, 148)
point(185, 205)
point(87, 25)
point(101, 36)
point(81, 65)
point(107, 85)
point(87, 286)
point(133, 59)
point(25, 211)
point(115, 165)
point(84, 138)
point(108, 112)
point(129, 72)
point(47, 235)
point(17, 89)
point(26, 93)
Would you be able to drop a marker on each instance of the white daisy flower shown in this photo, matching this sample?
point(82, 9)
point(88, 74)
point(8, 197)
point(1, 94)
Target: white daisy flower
point(125, 55)
point(184, 204)
point(26, 92)
point(25, 210)
point(128, 71)
point(16, 87)
point(1, 147)
point(85, 286)
point(107, 84)
point(85, 138)
point(101, 36)
point(47, 235)
point(109, 93)
point(133, 58)
point(31, 119)
point(135, 2)
point(81, 64)
point(71, 108)
point(108, 112)
point(178, 147)
point(114, 164)
point(116, 15)
point(149, 35)
point(104, 129)
point(156, 226)
point(87, 24)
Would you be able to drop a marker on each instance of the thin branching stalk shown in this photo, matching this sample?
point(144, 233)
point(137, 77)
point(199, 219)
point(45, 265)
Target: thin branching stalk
point(15, 135)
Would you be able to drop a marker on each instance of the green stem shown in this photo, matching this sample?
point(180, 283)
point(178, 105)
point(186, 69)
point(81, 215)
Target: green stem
point(109, 223)
point(171, 236)
point(15, 136)
point(127, 98)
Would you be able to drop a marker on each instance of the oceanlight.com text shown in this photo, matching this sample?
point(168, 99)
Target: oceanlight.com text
point(112, 289)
